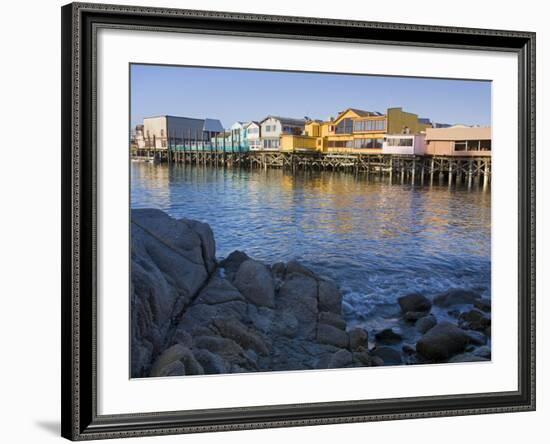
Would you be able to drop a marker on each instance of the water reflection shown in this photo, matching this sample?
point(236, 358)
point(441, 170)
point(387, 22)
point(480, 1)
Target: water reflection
point(377, 240)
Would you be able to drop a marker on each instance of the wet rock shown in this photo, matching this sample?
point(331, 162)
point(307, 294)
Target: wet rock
point(408, 349)
point(388, 355)
point(211, 363)
point(425, 323)
point(388, 336)
point(413, 316)
point(232, 262)
point(341, 358)
point(330, 297)
point(376, 361)
point(414, 302)
point(208, 244)
point(285, 323)
point(253, 279)
point(476, 337)
point(166, 362)
point(336, 320)
point(456, 296)
point(454, 313)
point(298, 295)
point(358, 339)
point(170, 263)
point(245, 337)
point(363, 358)
point(296, 267)
point(327, 334)
point(483, 305)
point(175, 368)
point(442, 341)
point(474, 320)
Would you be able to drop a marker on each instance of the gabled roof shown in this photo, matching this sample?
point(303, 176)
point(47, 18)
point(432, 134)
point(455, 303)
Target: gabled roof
point(286, 120)
point(358, 112)
point(252, 122)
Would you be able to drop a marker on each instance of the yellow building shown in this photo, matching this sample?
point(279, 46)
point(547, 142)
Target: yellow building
point(354, 131)
point(358, 131)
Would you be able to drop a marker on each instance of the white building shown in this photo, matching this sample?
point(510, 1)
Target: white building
point(407, 144)
point(272, 127)
point(253, 136)
point(160, 131)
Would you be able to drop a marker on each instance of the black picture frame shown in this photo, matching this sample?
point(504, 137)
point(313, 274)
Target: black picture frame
point(79, 171)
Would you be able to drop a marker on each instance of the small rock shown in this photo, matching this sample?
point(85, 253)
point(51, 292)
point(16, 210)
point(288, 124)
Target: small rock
point(414, 302)
point(413, 316)
point(483, 305)
point(442, 341)
point(327, 334)
point(246, 338)
point(363, 358)
point(474, 320)
point(388, 336)
point(454, 313)
point(358, 338)
point(476, 337)
point(456, 296)
point(232, 262)
point(408, 349)
point(340, 359)
point(377, 361)
point(296, 267)
point(164, 364)
point(388, 355)
point(212, 363)
point(424, 324)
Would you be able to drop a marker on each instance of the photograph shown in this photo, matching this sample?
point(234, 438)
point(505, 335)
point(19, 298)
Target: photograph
point(295, 220)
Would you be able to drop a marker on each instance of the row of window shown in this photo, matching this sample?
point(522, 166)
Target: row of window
point(473, 145)
point(348, 126)
point(364, 143)
point(271, 143)
point(400, 142)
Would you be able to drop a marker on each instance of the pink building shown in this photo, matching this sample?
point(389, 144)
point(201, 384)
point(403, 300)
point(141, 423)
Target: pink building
point(459, 140)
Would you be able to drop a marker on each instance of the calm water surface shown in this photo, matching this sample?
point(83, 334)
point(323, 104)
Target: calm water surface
point(377, 240)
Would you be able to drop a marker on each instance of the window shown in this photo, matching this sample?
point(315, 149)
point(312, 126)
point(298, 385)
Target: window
point(369, 125)
point(399, 141)
point(340, 143)
point(485, 145)
point(473, 145)
point(161, 133)
point(369, 143)
point(460, 145)
point(345, 126)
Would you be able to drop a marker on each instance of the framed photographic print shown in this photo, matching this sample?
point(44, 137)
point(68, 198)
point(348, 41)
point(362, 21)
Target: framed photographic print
point(280, 221)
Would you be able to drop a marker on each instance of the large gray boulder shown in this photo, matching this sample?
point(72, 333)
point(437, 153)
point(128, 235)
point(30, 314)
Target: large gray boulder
point(170, 263)
point(255, 282)
point(442, 342)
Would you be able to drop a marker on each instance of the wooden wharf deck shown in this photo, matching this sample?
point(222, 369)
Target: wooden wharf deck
point(414, 168)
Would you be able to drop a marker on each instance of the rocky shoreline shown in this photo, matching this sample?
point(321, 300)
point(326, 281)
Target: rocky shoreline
point(192, 314)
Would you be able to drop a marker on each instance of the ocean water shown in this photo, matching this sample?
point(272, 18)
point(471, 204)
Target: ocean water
point(377, 240)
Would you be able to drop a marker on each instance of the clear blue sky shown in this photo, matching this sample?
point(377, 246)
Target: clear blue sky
point(234, 94)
